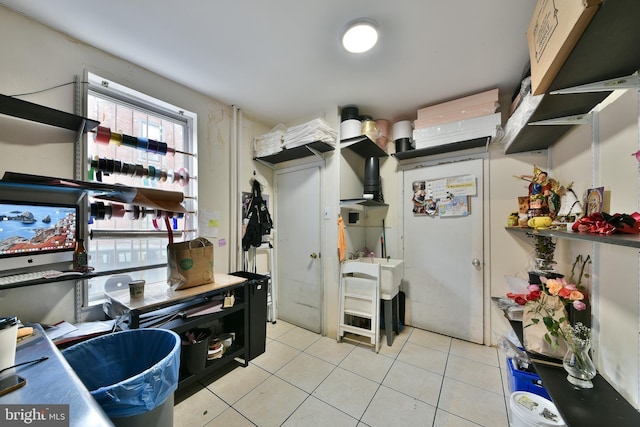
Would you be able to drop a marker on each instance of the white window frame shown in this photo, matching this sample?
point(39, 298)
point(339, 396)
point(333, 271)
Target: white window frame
point(141, 268)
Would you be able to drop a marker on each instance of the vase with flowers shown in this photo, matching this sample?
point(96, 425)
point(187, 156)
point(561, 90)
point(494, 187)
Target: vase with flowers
point(577, 362)
point(548, 332)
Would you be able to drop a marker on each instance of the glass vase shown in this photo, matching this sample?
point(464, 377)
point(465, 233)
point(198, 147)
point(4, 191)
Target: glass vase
point(579, 365)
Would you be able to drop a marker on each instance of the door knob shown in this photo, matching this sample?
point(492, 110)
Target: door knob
point(475, 262)
point(314, 255)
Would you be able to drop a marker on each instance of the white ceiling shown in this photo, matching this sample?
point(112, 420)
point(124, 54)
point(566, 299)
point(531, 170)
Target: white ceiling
point(280, 60)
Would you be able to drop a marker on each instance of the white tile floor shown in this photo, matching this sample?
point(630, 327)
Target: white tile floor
point(304, 379)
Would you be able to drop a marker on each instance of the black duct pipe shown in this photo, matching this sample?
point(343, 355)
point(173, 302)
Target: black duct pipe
point(372, 177)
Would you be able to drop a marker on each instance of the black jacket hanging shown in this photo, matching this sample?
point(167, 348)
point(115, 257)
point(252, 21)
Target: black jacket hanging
point(258, 219)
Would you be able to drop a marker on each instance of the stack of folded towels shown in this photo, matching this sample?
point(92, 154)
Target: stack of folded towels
point(295, 136)
point(312, 131)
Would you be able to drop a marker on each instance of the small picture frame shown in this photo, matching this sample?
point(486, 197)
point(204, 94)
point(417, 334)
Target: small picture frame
point(594, 200)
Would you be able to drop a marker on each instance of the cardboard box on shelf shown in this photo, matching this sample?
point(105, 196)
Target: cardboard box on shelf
point(468, 107)
point(555, 28)
point(463, 130)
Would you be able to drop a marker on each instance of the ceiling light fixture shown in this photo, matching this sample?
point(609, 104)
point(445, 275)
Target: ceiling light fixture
point(360, 35)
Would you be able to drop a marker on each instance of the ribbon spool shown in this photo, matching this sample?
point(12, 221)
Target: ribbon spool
point(183, 177)
point(100, 210)
point(103, 135)
point(99, 165)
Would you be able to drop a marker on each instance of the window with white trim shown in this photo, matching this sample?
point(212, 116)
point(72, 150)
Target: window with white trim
point(133, 243)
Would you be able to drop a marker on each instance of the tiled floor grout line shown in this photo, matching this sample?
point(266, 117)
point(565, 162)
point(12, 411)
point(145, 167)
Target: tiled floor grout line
point(435, 415)
point(394, 357)
point(310, 394)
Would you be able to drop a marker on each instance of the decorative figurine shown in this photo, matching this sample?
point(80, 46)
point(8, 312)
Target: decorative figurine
point(543, 193)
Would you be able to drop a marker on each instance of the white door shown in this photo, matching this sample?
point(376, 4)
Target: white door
point(443, 256)
point(299, 269)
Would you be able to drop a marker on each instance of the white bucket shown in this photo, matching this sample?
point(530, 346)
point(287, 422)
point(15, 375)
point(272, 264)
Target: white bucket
point(527, 409)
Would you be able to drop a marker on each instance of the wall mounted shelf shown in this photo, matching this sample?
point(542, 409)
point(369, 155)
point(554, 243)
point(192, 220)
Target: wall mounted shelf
point(445, 148)
point(37, 113)
point(363, 146)
point(347, 203)
point(600, 406)
point(600, 54)
point(620, 239)
point(310, 149)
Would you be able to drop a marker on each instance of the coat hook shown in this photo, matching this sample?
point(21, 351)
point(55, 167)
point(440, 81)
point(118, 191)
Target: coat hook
point(254, 172)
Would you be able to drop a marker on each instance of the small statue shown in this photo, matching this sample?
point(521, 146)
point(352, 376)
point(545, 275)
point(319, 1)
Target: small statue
point(544, 196)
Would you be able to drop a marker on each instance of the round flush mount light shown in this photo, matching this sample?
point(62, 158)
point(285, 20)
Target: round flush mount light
point(360, 35)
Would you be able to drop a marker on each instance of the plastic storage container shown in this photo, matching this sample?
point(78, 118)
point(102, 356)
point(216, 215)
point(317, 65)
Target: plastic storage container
point(257, 300)
point(131, 374)
point(520, 380)
point(194, 354)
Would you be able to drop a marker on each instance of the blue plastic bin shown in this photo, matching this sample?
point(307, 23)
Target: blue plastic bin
point(520, 380)
point(128, 373)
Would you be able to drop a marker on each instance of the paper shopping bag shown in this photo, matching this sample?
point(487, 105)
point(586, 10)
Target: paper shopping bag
point(189, 263)
point(534, 331)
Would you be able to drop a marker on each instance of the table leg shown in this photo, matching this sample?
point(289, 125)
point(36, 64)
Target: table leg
point(388, 320)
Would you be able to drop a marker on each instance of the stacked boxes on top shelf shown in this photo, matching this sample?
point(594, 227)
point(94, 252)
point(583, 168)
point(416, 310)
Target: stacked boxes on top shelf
point(462, 119)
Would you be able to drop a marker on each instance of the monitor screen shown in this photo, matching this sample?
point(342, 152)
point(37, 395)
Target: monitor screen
point(34, 234)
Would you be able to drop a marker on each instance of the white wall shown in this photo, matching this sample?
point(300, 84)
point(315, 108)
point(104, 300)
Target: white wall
point(615, 282)
point(619, 295)
point(33, 58)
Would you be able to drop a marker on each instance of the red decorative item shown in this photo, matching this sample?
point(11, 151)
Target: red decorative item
point(603, 223)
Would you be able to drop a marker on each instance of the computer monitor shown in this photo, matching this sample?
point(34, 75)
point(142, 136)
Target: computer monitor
point(36, 234)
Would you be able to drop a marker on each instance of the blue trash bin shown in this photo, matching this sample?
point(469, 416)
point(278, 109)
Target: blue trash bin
point(131, 374)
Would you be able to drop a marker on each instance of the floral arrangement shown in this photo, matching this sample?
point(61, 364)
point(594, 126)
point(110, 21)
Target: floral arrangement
point(568, 293)
point(546, 303)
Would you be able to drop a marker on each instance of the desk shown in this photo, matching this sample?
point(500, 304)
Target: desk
point(159, 296)
point(600, 406)
point(163, 307)
point(52, 382)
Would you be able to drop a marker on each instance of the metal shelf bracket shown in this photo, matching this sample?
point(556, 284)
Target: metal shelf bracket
point(579, 119)
point(628, 82)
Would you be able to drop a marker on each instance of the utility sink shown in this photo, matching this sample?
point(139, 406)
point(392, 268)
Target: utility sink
point(391, 273)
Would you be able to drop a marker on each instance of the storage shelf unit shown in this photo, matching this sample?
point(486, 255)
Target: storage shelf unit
point(306, 150)
point(41, 114)
point(363, 146)
point(445, 148)
point(607, 50)
point(620, 239)
point(598, 407)
point(171, 305)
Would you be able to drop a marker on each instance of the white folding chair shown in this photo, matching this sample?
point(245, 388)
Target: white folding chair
point(360, 301)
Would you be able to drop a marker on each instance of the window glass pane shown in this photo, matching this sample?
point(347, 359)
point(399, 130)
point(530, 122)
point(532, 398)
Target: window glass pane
point(139, 237)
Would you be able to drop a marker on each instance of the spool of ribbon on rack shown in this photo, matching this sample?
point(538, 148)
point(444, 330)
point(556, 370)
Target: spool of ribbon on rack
point(103, 135)
point(99, 166)
point(101, 211)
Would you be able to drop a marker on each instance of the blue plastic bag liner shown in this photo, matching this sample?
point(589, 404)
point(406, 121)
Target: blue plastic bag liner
point(130, 372)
